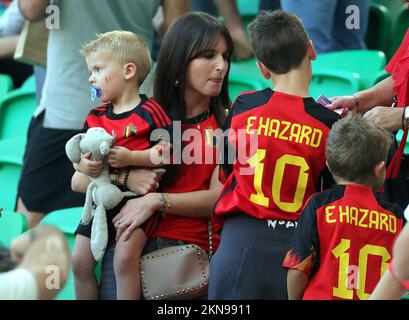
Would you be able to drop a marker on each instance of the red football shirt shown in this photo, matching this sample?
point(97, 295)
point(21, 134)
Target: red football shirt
point(193, 177)
point(398, 67)
point(343, 242)
point(273, 179)
point(133, 128)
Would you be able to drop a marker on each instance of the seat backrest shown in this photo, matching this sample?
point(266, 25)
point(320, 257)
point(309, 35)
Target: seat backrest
point(10, 169)
point(378, 35)
point(248, 7)
point(239, 84)
point(247, 69)
point(30, 83)
point(382, 75)
point(67, 220)
point(333, 82)
point(401, 27)
point(16, 110)
point(367, 63)
point(6, 85)
point(12, 224)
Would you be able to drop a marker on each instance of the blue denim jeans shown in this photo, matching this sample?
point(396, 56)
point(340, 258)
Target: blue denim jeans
point(325, 22)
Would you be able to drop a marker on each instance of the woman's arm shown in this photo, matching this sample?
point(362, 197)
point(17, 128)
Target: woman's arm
point(390, 287)
point(190, 204)
point(379, 95)
point(197, 203)
point(362, 101)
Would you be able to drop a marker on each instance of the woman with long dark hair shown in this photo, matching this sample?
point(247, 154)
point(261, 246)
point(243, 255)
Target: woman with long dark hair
point(191, 85)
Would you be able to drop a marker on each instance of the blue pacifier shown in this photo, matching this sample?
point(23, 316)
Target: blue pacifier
point(95, 92)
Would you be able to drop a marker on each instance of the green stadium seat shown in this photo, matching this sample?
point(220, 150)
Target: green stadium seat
point(11, 160)
point(67, 221)
point(6, 85)
point(248, 7)
point(238, 84)
point(399, 138)
point(379, 31)
point(16, 110)
point(13, 149)
point(10, 169)
point(247, 69)
point(333, 82)
point(30, 83)
point(382, 75)
point(367, 63)
point(12, 224)
point(401, 26)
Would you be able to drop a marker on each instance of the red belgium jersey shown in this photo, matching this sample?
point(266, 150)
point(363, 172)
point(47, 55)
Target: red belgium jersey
point(343, 242)
point(195, 176)
point(133, 128)
point(279, 144)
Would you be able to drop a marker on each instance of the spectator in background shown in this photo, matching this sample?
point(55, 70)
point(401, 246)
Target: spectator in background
point(326, 22)
point(45, 179)
point(34, 252)
point(11, 24)
point(229, 11)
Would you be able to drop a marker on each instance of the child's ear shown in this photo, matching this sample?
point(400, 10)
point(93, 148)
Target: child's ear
point(130, 70)
point(312, 54)
point(263, 69)
point(379, 169)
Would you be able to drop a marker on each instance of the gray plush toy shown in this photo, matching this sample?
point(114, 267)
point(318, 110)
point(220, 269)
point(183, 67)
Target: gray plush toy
point(100, 191)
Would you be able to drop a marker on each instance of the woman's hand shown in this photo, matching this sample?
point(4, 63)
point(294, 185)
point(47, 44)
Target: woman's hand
point(386, 117)
point(134, 213)
point(349, 103)
point(142, 181)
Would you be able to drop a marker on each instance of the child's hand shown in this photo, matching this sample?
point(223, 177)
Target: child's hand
point(160, 153)
point(88, 166)
point(119, 157)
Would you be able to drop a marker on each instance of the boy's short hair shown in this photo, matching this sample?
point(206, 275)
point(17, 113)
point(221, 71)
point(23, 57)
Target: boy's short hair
point(125, 46)
point(279, 40)
point(354, 146)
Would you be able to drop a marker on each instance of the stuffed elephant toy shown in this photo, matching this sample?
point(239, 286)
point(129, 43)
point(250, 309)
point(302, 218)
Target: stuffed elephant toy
point(100, 191)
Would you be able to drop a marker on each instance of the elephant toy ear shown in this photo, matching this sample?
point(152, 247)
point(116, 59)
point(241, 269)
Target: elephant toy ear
point(72, 148)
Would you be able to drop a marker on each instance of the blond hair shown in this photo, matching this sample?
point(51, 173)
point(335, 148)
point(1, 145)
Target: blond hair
point(126, 46)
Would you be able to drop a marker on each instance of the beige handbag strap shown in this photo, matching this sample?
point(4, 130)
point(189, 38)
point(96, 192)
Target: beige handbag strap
point(210, 230)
